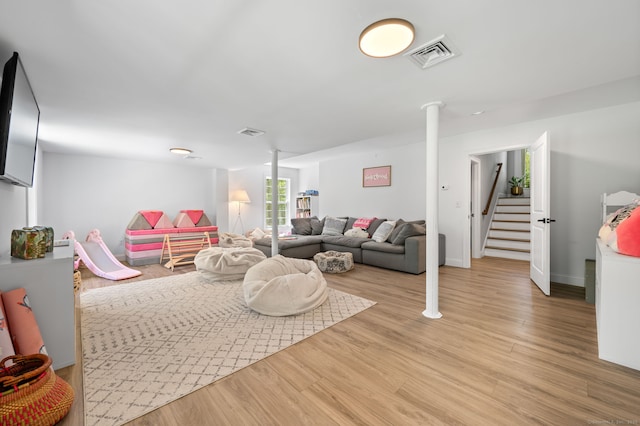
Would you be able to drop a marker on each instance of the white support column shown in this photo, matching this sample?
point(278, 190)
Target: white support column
point(433, 116)
point(274, 202)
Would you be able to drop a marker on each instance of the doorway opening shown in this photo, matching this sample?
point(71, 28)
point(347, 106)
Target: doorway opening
point(522, 230)
point(500, 221)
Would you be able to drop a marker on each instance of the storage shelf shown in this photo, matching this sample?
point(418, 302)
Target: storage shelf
point(307, 206)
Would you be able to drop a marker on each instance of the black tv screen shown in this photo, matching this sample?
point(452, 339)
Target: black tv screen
point(19, 119)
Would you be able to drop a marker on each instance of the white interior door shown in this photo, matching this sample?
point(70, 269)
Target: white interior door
point(540, 220)
point(476, 213)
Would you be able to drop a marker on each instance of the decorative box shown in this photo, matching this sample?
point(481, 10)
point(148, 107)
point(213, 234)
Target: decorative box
point(49, 236)
point(28, 243)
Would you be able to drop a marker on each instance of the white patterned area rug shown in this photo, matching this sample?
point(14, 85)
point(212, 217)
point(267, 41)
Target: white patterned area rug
point(151, 342)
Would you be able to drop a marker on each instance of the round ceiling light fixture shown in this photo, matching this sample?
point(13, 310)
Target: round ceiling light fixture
point(180, 151)
point(386, 38)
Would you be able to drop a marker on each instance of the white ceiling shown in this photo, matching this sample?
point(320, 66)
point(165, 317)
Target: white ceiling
point(134, 78)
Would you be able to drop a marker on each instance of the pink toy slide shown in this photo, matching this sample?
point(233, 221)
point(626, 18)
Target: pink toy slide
point(98, 258)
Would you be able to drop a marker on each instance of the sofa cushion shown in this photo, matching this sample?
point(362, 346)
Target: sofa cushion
point(397, 229)
point(316, 225)
point(384, 247)
point(383, 231)
point(363, 222)
point(333, 226)
point(342, 240)
point(301, 225)
point(407, 230)
point(374, 226)
point(356, 232)
point(302, 240)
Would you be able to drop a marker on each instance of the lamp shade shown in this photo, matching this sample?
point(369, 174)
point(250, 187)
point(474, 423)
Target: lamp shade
point(240, 196)
point(386, 38)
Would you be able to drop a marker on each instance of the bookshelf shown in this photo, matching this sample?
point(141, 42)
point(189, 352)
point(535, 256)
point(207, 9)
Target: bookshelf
point(307, 205)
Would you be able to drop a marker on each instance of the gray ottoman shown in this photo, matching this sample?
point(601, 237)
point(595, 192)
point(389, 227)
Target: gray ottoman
point(334, 262)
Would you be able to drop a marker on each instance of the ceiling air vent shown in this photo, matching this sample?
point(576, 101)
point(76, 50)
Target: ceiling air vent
point(251, 132)
point(433, 52)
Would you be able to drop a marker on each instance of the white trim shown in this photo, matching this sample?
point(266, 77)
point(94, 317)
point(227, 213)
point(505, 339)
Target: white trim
point(568, 280)
point(432, 193)
point(465, 262)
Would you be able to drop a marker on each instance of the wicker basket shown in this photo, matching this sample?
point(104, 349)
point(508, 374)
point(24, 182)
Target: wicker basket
point(31, 392)
point(77, 281)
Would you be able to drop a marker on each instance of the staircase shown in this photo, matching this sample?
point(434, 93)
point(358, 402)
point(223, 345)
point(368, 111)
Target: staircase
point(509, 233)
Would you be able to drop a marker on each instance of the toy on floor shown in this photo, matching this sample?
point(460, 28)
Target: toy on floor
point(95, 254)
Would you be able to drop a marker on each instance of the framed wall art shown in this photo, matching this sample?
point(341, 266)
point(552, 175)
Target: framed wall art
point(376, 176)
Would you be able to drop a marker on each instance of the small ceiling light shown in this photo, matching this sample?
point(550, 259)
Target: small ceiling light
point(477, 113)
point(386, 38)
point(180, 151)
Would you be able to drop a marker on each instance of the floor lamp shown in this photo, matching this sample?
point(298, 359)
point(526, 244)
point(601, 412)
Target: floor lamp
point(239, 196)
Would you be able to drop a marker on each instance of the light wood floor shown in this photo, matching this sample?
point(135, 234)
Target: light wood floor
point(503, 353)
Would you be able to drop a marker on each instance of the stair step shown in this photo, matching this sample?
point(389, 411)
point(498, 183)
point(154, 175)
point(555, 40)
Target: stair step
point(510, 229)
point(510, 219)
point(511, 225)
point(514, 201)
point(508, 249)
point(507, 254)
point(503, 237)
point(510, 234)
point(505, 244)
point(513, 208)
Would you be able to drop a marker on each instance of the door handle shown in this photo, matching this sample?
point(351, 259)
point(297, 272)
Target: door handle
point(546, 220)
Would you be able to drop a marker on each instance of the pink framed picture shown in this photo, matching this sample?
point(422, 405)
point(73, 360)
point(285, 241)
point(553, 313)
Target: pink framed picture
point(376, 176)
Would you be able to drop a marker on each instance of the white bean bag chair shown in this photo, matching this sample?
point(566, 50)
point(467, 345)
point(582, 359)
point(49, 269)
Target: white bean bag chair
point(228, 264)
point(227, 239)
point(281, 286)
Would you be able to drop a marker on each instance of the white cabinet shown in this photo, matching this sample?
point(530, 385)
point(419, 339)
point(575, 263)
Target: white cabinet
point(307, 206)
point(618, 306)
point(49, 285)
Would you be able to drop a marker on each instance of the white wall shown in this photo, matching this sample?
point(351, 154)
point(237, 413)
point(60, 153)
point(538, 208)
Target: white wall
point(488, 164)
point(342, 194)
point(13, 214)
point(80, 193)
point(309, 178)
point(19, 206)
point(591, 153)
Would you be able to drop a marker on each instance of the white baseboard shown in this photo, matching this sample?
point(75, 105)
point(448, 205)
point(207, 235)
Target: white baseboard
point(568, 279)
point(453, 262)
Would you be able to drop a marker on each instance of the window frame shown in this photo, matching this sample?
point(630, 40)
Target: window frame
point(287, 202)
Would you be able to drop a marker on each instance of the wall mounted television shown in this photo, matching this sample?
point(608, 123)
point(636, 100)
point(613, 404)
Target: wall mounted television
point(19, 120)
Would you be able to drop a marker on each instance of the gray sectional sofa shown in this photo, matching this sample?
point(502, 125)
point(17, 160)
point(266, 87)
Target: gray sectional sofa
point(403, 250)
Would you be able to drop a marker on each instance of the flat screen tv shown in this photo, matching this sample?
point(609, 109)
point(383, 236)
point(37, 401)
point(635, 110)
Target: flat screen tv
point(19, 119)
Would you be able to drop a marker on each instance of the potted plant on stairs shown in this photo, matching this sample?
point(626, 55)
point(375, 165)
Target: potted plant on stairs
point(516, 185)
